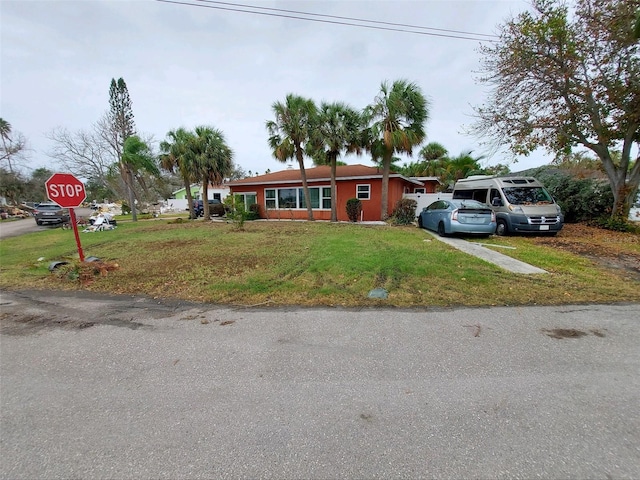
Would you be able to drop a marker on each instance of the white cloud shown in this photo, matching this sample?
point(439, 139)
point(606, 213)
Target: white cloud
point(188, 66)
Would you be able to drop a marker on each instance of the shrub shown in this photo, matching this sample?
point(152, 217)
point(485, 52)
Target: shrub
point(617, 223)
point(581, 199)
point(404, 212)
point(254, 211)
point(354, 208)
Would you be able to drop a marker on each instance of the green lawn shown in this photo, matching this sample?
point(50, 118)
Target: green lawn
point(301, 263)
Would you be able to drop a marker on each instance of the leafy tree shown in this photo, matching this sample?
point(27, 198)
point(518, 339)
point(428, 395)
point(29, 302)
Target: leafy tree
point(338, 130)
point(396, 124)
point(12, 144)
point(581, 199)
point(562, 79)
point(13, 186)
point(290, 132)
point(87, 154)
point(36, 188)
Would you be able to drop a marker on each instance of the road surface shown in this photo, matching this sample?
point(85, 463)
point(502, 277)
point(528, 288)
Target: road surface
point(15, 228)
point(137, 388)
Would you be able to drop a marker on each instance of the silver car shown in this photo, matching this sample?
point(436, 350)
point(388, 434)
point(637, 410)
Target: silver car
point(468, 217)
point(50, 213)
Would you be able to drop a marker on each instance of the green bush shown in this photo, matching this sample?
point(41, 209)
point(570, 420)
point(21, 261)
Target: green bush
point(581, 199)
point(254, 211)
point(354, 207)
point(404, 213)
point(617, 223)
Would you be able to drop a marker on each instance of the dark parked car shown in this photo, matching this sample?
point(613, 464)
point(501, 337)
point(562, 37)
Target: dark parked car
point(216, 207)
point(50, 213)
point(458, 216)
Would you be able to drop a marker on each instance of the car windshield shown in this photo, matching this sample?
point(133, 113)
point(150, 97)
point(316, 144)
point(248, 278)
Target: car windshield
point(527, 195)
point(48, 206)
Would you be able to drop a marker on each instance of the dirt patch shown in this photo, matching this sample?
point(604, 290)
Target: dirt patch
point(617, 251)
point(16, 323)
point(561, 333)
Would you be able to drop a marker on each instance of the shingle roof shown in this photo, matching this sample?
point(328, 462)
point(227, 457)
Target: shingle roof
point(318, 174)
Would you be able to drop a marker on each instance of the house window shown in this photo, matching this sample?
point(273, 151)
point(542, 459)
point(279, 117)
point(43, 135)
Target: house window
point(363, 192)
point(293, 198)
point(287, 198)
point(270, 198)
point(326, 197)
point(246, 199)
point(418, 190)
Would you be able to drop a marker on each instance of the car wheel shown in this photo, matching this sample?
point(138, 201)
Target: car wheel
point(420, 222)
point(38, 222)
point(501, 228)
point(441, 230)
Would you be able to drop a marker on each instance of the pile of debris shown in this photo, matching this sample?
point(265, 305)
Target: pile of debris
point(10, 211)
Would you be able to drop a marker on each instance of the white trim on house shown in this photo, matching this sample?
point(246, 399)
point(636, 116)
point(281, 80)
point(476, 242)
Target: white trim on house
point(328, 179)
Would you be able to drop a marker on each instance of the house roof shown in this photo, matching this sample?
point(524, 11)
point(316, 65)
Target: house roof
point(320, 174)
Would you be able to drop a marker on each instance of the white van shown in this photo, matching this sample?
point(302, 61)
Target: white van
point(521, 204)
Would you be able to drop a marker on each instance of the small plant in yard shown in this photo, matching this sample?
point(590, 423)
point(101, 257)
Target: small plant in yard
point(236, 213)
point(404, 212)
point(354, 207)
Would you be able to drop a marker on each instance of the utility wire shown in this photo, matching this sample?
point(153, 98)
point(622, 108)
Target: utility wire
point(374, 27)
point(378, 22)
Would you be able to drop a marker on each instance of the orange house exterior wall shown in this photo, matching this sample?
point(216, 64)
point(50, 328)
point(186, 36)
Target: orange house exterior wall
point(346, 189)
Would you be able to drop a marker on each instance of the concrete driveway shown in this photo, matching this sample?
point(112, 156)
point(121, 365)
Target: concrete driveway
point(132, 387)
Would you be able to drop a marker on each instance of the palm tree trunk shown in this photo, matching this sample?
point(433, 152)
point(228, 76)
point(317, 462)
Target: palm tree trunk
point(192, 212)
point(132, 196)
point(305, 188)
point(384, 204)
point(205, 200)
point(334, 192)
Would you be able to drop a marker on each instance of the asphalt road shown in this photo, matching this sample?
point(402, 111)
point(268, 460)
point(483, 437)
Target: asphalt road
point(128, 387)
point(15, 228)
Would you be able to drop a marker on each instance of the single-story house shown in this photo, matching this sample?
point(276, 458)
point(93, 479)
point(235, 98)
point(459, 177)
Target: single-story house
point(215, 192)
point(280, 194)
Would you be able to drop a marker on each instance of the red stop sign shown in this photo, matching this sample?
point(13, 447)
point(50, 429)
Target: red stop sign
point(65, 190)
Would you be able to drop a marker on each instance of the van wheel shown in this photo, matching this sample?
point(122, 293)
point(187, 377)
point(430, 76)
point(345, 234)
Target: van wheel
point(501, 228)
point(441, 231)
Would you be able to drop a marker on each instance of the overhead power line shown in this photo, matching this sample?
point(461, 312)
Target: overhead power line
point(346, 21)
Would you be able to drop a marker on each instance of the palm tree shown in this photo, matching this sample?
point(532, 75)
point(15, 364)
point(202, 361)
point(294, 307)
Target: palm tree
point(462, 166)
point(290, 132)
point(5, 134)
point(397, 119)
point(213, 160)
point(136, 159)
point(432, 151)
point(176, 156)
point(338, 130)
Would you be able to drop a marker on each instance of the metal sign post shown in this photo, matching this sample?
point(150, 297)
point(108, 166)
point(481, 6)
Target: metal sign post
point(67, 191)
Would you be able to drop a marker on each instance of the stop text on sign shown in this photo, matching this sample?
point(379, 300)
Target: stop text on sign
point(65, 190)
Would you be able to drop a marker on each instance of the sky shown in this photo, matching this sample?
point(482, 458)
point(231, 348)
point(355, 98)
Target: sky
point(187, 65)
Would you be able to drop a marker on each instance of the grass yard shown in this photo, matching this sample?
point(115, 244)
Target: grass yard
point(309, 263)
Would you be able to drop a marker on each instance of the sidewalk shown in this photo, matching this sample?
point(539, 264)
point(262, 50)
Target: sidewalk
point(503, 261)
